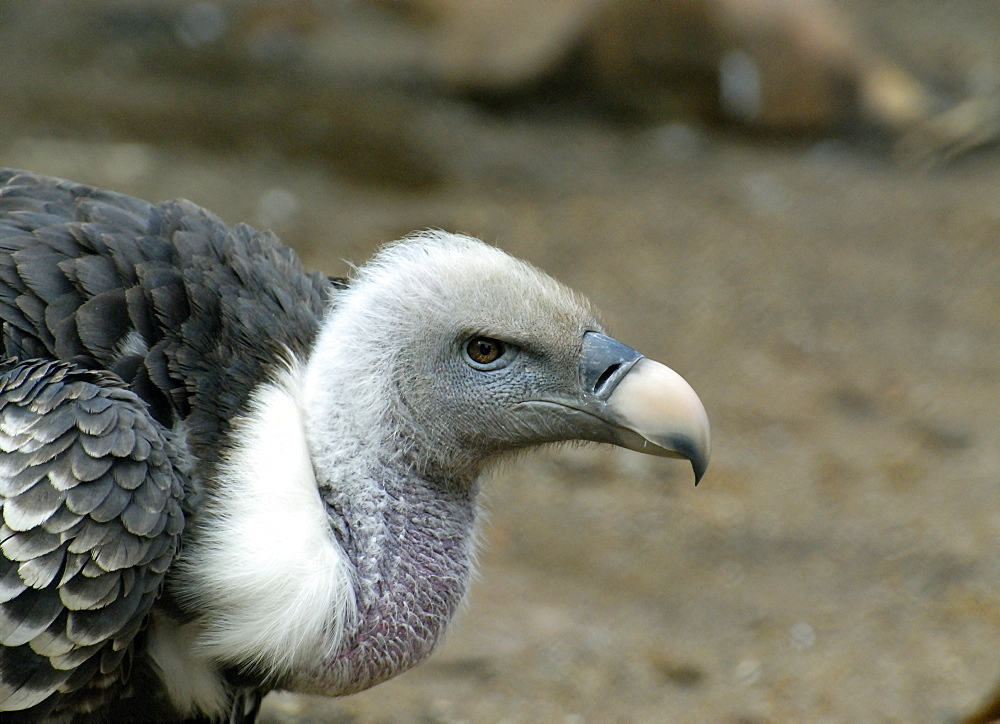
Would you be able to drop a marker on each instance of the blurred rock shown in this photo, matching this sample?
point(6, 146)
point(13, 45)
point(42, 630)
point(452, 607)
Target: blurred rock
point(501, 45)
point(781, 64)
point(774, 65)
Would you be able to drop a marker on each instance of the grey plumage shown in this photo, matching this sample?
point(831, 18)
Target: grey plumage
point(220, 474)
point(85, 543)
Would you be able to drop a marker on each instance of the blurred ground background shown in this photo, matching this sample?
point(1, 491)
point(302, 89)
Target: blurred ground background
point(795, 205)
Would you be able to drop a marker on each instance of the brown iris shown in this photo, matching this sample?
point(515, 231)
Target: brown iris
point(485, 350)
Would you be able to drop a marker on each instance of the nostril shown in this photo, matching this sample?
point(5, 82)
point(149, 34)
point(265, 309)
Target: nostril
point(604, 362)
point(606, 377)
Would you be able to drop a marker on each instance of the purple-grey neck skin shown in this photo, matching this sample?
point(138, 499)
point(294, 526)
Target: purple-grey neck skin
point(411, 544)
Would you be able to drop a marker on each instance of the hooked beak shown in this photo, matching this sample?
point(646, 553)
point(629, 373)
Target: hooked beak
point(643, 405)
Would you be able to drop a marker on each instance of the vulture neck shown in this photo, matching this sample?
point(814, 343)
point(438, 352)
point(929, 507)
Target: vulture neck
point(405, 527)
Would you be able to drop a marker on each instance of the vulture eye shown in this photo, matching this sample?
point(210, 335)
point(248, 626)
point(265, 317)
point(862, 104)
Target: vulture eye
point(486, 353)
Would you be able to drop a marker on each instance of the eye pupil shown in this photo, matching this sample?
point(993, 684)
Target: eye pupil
point(484, 350)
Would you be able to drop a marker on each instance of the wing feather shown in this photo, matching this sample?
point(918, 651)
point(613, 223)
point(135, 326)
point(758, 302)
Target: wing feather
point(26, 545)
point(40, 571)
point(32, 507)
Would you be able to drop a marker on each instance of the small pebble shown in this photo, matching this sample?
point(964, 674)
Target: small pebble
point(803, 635)
point(747, 671)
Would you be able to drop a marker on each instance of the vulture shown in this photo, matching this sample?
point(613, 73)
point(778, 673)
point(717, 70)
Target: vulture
point(222, 475)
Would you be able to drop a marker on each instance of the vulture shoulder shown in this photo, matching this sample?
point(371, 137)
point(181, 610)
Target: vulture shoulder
point(167, 297)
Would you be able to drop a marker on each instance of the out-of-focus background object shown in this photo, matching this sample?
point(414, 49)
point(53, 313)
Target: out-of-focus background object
point(792, 202)
point(783, 65)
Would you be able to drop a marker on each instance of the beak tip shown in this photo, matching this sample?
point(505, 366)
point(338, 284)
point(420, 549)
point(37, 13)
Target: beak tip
point(695, 451)
point(699, 467)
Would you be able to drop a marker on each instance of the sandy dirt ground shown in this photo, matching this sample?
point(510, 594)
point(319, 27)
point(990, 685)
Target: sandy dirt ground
point(838, 312)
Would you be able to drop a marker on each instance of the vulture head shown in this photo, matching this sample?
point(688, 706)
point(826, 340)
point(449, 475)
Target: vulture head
point(471, 354)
